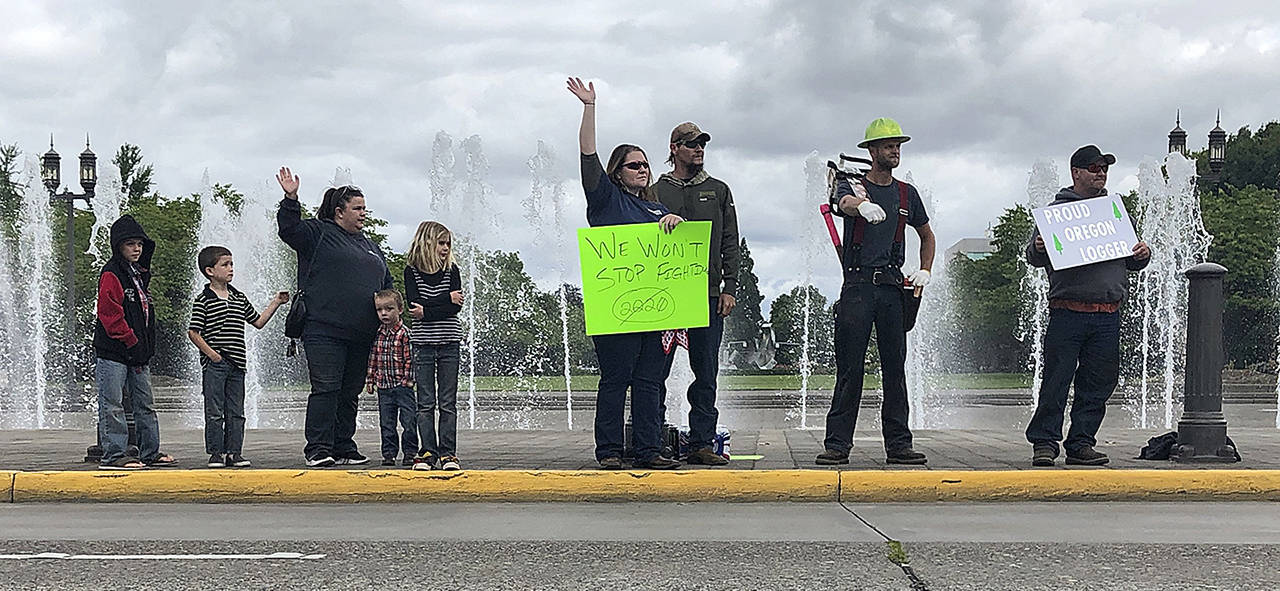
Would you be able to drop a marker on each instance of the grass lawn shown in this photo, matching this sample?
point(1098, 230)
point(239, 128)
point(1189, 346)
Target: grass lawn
point(752, 382)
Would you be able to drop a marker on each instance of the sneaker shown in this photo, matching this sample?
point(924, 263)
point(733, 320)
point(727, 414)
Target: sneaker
point(355, 459)
point(611, 463)
point(388, 461)
point(321, 461)
point(832, 457)
point(407, 461)
point(656, 463)
point(1043, 455)
point(424, 462)
point(1087, 456)
point(706, 457)
point(238, 461)
point(905, 455)
point(449, 463)
point(216, 461)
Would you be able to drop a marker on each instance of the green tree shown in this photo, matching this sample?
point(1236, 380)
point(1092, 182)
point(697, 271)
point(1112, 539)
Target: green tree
point(745, 321)
point(985, 293)
point(786, 314)
point(10, 195)
point(1246, 232)
point(136, 176)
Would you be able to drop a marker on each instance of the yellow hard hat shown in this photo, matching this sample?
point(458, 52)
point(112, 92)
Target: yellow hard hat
point(883, 128)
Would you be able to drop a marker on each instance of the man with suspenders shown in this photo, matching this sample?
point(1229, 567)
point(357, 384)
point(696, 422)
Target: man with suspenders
point(873, 295)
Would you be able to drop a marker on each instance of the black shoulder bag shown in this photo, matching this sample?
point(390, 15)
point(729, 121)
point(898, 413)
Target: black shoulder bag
point(297, 318)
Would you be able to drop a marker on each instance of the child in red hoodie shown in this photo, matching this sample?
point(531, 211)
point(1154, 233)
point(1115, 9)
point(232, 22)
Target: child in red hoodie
point(123, 342)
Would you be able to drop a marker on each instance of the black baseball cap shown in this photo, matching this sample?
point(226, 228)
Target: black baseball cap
point(1088, 155)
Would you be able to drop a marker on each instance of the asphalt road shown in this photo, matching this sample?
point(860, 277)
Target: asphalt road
point(642, 546)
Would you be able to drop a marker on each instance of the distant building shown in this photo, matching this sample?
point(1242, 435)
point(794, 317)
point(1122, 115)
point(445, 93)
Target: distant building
point(975, 249)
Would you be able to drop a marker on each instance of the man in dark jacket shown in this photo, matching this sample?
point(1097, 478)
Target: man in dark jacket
point(123, 342)
point(1082, 342)
point(691, 193)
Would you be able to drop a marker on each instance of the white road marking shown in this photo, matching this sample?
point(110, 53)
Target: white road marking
point(64, 556)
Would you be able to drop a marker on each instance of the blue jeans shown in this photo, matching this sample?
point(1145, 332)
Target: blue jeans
point(337, 369)
point(116, 380)
point(1083, 347)
point(632, 360)
point(861, 306)
point(704, 360)
point(396, 404)
point(435, 368)
point(223, 389)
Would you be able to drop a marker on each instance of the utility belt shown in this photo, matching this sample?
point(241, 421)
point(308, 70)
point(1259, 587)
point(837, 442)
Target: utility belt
point(885, 275)
point(892, 277)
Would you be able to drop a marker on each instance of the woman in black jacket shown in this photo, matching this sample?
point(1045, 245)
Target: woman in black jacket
point(339, 270)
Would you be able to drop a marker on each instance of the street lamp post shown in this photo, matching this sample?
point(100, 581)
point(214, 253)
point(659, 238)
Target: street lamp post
point(51, 174)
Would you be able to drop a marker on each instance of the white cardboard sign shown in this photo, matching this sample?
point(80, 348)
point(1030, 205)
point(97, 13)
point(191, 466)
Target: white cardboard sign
point(1085, 232)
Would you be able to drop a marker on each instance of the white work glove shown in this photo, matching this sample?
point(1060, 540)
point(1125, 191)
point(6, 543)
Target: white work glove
point(920, 278)
point(874, 213)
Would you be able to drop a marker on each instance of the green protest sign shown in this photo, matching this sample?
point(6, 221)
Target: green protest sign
point(637, 278)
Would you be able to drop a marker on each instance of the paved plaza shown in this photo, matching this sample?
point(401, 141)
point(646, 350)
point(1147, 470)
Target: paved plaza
point(998, 446)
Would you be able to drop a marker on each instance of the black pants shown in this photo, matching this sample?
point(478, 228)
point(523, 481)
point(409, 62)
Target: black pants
point(337, 369)
point(704, 360)
point(861, 306)
point(632, 360)
point(1084, 348)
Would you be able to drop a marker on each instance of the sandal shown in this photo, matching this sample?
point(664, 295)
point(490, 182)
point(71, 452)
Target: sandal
point(123, 463)
point(163, 460)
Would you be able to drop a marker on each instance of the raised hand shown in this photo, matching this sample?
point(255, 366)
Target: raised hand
point(288, 181)
point(585, 92)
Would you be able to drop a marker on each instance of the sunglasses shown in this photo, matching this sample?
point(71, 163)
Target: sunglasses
point(1094, 168)
point(344, 190)
point(694, 145)
point(637, 165)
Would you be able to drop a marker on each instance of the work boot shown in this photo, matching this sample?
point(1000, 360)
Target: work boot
point(1087, 456)
point(905, 455)
point(656, 463)
point(832, 457)
point(1042, 455)
point(706, 457)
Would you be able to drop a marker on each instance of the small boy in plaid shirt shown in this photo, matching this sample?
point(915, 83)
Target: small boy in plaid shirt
point(391, 374)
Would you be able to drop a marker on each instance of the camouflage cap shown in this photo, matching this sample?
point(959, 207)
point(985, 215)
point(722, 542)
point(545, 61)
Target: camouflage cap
point(688, 132)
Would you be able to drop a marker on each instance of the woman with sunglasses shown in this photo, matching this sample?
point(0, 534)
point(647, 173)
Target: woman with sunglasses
point(619, 193)
point(339, 270)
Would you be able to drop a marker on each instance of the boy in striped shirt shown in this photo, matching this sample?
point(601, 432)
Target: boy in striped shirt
point(218, 316)
point(391, 374)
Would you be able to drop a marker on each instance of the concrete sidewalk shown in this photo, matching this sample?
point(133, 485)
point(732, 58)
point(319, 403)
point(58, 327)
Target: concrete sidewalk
point(753, 449)
point(516, 465)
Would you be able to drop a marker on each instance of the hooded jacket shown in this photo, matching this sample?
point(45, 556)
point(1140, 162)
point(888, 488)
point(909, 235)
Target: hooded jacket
point(124, 329)
point(706, 198)
point(339, 272)
point(1101, 283)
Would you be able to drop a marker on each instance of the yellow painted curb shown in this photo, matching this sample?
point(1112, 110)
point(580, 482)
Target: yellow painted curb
point(261, 486)
point(1060, 485)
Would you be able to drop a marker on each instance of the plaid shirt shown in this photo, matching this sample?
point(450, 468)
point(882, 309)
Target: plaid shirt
point(390, 364)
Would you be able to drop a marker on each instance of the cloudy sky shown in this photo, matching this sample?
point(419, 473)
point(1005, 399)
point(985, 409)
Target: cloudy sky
point(985, 88)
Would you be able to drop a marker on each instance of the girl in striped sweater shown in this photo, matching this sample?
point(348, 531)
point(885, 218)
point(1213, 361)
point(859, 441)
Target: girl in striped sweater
point(434, 287)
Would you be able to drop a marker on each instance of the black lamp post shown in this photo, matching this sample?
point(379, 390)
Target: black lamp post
point(1178, 137)
point(51, 174)
point(1217, 148)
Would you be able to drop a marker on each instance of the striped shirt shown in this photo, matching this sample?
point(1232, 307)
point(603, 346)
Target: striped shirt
point(221, 323)
point(439, 324)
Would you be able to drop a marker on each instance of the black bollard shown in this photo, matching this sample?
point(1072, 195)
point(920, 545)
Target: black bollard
point(1202, 430)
